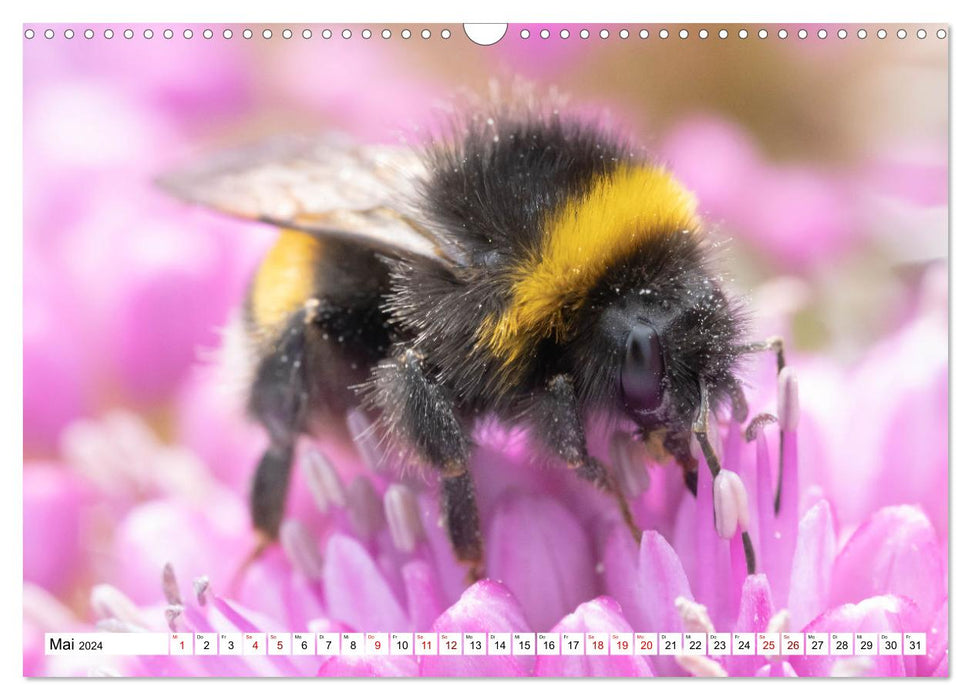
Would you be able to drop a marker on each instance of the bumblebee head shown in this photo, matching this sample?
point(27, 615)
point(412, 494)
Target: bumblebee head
point(663, 350)
point(657, 326)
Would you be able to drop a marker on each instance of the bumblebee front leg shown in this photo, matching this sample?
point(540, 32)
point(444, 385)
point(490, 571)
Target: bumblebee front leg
point(774, 344)
point(417, 413)
point(700, 430)
point(557, 421)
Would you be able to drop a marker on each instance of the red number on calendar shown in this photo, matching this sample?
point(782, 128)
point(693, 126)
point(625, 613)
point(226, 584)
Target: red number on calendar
point(622, 644)
point(598, 645)
point(768, 645)
point(452, 645)
point(647, 644)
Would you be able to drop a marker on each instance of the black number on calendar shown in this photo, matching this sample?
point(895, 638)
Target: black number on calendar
point(842, 645)
point(476, 645)
point(891, 645)
point(816, 645)
point(205, 645)
point(719, 645)
point(668, 644)
point(914, 644)
point(549, 645)
point(573, 644)
point(694, 645)
point(403, 645)
point(303, 645)
point(353, 645)
point(524, 644)
point(745, 645)
point(230, 645)
point(866, 645)
point(500, 645)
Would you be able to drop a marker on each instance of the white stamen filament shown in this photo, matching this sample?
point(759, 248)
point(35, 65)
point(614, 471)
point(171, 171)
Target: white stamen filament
point(108, 602)
point(170, 586)
point(201, 588)
point(731, 504)
point(629, 458)
point(694, 616)
point(364, 507)
point(323, 482)
point(404, 519)
point(851, 667)
point(788, 400)
point(301, 549)
point(701, 666)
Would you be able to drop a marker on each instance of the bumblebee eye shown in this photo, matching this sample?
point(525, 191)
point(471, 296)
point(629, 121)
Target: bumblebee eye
point(643, 370)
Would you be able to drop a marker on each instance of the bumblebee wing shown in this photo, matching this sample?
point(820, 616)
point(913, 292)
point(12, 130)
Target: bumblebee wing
point(326, 186)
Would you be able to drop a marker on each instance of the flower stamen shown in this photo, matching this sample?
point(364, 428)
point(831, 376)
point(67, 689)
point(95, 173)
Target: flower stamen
point(404, 519)
point(629, 458)
point(323, 482)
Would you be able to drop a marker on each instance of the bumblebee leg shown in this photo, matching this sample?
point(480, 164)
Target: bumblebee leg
point(558, 424)
point(417, 412)
point(278, 399)
point(776, 345)
point(700, 430)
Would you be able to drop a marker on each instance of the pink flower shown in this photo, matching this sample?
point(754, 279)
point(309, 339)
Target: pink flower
point(801, 216)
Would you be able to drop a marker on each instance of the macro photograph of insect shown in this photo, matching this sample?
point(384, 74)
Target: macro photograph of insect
point(397, 337)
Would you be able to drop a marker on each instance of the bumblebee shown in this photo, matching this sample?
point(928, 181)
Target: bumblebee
point(529, 267)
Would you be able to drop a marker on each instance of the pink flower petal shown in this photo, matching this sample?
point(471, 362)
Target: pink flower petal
point(369, 667)
point(937, 643)
point(782, 669)
point(878, 614)
point(356, 592)
point(895, 552)
point(599, 615)
point(54, 500)
point(274, 587)
point(812, 565)
point(486, 606)
point(646, 584)
point(424, 594)
point(198, 541)
point(539, 550)
point(754, 614)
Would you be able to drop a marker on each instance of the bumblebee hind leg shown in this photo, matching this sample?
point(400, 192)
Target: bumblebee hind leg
point(417, 413)
point(278, 400)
